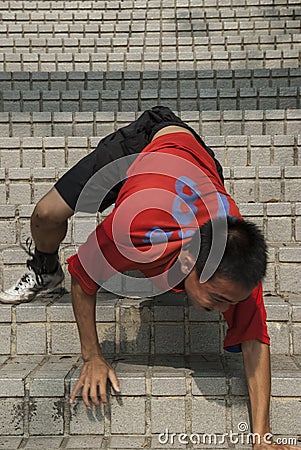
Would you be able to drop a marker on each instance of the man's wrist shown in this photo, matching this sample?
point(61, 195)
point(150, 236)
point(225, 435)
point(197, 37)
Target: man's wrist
point(87, 355)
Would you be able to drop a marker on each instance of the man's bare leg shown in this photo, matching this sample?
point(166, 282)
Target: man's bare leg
point(49, 222)
point(44, 272)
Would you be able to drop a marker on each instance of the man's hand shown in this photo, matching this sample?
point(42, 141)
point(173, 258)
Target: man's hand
point(96, 370)
point(94, 375)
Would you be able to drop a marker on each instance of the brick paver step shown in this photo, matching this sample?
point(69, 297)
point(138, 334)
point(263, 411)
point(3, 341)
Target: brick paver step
point(106, 35)
point(151, 16)
point(274, 207)
point(138, 100)
point(150, 60)
point(156, 393)
point(25, 158)
point(286, 42)
point(207, 123)
point(70, 73)
point(185, 80)
point(141, 7)
point(154, 326)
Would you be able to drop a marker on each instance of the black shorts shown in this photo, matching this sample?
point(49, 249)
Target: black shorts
point(129, 140)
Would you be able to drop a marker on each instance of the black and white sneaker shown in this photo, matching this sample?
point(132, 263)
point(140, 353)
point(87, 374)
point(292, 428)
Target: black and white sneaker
point(30, 285)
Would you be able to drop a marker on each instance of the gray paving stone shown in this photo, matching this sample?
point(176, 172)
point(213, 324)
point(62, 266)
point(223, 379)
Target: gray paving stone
point(85, 421)
point(34, 312)
point(208, 383)
point(289, 278)
point(9, 443)
point(291, 254)
point(279, 335)
point(5, 341)
point(204, 338)
point(285, 414)
point(127, 442)
point(277, 308)
point(279, 229)
point(46, 414)
point(5, 313)
point(11, 423)
point(286, 384)
point(128, 416)
point(169, 337)
point(82, 442)
point(239, 413)
point(38, 442)
point(65, 339)
point(168, 413)
point(131, 384)
point(296, 308)
point(208, 415)
point(14, 373)
point(48, 380)
point(296, 334)
point(169, 384)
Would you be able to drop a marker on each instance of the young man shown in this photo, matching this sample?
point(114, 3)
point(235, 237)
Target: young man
point(169, 214)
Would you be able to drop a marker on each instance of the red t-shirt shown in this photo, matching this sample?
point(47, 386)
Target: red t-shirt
point(172, 188)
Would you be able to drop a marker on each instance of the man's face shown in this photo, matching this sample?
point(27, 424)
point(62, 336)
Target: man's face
point(217, 294)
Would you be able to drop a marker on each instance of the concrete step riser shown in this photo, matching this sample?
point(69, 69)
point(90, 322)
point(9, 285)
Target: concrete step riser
point(165, 326)
point(207, 123)
point(283, 274)
point(35, 396)
point(139, 61)
point(258, 79)
point(130, 100)
point(78, 45)
point(271, 184)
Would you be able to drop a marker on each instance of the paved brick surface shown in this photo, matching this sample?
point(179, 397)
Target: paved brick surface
point(72, 72)
point(48, 382)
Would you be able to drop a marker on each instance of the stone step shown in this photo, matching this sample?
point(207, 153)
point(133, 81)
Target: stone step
point(165, 324)
point(153, 16)
point(13, 42)
point(138, 100)
point(196, 394)
point(46, 158)
point(185, 80)
point(208, 123)
point(47, 44)
point(148, 8)
point(118, 33)
point(149, 60)
point(280, 222)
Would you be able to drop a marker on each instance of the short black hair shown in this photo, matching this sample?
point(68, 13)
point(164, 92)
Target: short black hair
point(245, 256)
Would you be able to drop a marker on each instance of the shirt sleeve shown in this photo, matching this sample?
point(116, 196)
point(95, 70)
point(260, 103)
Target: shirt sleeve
point(97, 260)
point(246, 321)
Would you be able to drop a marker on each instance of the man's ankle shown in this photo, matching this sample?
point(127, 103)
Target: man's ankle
point(45, 263)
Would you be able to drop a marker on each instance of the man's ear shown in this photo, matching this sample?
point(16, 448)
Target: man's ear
point(187, 262)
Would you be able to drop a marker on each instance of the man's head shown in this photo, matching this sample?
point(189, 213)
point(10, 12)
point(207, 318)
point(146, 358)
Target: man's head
point(242, 267)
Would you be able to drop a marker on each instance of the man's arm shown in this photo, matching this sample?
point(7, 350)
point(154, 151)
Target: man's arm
point(95, 370)
point(256, 356)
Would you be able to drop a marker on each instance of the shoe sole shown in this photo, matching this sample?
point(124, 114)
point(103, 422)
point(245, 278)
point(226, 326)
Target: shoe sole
point(32, 297)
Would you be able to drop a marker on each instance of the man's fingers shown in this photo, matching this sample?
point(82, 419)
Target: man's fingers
point(114, 380)
point(75, 390)
point(85, 394)
point(103, 391)
point(93, 394)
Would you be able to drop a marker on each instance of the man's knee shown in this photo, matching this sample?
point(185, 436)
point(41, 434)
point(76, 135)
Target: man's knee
point(44, 214)
point(51, 210)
